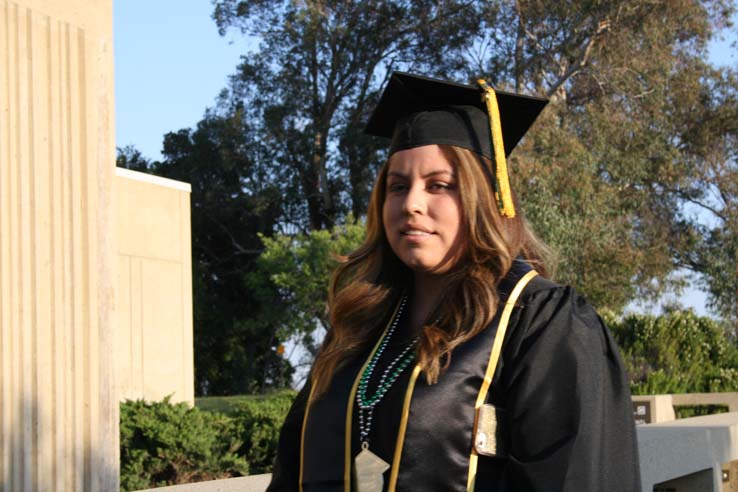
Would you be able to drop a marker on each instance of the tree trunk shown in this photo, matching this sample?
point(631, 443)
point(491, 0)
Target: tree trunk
point(519, 46)
point(312, 183)
point(320, 201)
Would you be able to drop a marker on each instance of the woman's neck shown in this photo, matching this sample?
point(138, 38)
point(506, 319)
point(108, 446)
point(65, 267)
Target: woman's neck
point(427, 293)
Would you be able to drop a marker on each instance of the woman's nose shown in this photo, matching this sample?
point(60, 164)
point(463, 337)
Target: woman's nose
point(414, 200)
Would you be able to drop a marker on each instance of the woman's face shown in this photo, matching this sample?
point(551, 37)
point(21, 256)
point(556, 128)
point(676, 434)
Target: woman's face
point(422, 211)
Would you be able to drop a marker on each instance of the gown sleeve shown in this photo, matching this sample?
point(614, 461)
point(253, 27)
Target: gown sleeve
point(286, 472)
point(568, 400)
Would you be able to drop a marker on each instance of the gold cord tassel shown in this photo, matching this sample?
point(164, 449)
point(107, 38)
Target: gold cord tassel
point(503, 183)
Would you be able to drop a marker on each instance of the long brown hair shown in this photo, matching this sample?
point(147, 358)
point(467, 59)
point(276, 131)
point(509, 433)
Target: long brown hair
point(366, 287)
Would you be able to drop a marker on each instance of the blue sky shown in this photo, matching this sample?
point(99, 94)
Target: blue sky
point(171, 63)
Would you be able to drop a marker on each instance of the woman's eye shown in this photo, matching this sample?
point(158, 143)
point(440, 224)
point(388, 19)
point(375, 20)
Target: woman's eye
point(439, 186)
point(396, 187)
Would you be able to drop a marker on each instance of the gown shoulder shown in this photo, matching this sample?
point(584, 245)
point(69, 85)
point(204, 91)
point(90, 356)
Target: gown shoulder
point(567, 396)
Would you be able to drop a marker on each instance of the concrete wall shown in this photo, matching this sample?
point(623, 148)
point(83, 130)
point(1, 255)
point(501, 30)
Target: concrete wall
point(154, 350)
point(684, 454)
point(254, 483)
point(58, 407)
point(660, 408)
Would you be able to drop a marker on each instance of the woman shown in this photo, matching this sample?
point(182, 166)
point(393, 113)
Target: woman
point(452, 364)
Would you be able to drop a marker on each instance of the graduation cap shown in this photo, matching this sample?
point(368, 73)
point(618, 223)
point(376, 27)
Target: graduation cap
point(415, 110)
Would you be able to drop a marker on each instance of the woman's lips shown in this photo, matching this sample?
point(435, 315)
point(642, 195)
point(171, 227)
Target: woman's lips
point(416, 235)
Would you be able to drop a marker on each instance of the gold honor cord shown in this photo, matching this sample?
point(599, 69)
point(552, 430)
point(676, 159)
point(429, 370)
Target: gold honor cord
point(302, 435)
point(494, 357)
point(403, 427)
point(504, 197)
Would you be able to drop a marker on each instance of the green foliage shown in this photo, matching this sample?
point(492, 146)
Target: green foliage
point(298, 268)
point(679, 352)
point(605, 174)
point(719, 260)
point(259, 421)
point(709, 246)
point(129, 157)
point(586, 222)
point(164, 444)
point(686, 411)
point(229, 404)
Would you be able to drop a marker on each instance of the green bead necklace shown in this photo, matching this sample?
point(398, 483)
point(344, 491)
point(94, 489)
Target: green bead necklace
point(393, 371)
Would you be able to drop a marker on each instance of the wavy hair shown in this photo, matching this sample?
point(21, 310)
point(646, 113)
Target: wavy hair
point(367, 285)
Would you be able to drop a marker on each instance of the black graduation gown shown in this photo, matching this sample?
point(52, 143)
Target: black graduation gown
point(560, 380)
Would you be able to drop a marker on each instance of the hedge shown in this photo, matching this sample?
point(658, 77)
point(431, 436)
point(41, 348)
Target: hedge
point(678, 352)
point(162, 443)
point(165, 444)
point(259, 421)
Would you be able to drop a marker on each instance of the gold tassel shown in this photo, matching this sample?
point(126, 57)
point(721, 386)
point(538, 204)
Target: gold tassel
point(503, 183)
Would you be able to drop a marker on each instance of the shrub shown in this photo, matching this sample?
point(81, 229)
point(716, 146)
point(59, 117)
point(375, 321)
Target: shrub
point(259, 420)
point(678, 352)
point(686, 411)
point(165, 444)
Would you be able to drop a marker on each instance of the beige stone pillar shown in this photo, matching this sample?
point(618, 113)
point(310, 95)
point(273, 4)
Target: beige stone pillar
point(153, 344)
point(58, 407)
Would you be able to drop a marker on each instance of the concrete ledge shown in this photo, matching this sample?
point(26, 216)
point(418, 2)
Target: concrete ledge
point(253, 483)
point(659, 408)
point(670, 450)
point(152, 179)
point(728, 399)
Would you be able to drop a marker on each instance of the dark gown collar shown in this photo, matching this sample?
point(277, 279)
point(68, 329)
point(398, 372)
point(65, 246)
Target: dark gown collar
point(517, 270)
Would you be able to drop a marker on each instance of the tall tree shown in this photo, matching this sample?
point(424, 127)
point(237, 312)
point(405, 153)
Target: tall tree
point(309, 87)
point(599, 172)
point(235, 348)
point(129, 157)
point(706, 241)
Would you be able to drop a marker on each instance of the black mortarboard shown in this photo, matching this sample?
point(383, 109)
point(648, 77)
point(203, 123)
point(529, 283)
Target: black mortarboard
point(415, 110)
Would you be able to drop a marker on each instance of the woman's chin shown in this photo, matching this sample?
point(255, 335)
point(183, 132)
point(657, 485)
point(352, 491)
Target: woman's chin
point(427, 268)
point(417, 264)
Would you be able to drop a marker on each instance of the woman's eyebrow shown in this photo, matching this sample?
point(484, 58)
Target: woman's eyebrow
point(436, 173)
point(426, 175)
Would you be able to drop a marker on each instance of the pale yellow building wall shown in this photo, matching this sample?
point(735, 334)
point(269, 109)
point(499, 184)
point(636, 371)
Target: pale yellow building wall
point(154, 349)
point(58, 401)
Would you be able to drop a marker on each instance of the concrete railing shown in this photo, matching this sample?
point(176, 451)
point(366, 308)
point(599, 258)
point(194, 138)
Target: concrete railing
point(254, 483)
point(689, 455)
point(699, 453)
point(651, 409)
point(728, 399)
